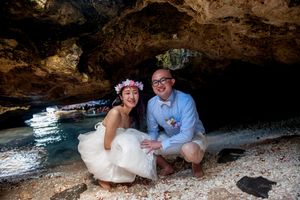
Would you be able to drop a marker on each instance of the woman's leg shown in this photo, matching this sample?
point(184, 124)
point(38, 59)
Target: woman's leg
point(166, 168)
point(104, 184)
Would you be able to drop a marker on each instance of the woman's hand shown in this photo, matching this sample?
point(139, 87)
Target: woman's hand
point(151, 145)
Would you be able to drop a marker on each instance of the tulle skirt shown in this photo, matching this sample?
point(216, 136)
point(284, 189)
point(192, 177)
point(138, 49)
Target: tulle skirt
point(123, 161)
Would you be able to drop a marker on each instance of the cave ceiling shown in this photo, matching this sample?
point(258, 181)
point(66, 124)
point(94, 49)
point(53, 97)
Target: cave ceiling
point(71, 51)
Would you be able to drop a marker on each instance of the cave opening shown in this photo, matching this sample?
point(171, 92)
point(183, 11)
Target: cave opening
point(237, 92)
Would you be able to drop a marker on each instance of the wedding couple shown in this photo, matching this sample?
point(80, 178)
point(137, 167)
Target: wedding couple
point(116, 153)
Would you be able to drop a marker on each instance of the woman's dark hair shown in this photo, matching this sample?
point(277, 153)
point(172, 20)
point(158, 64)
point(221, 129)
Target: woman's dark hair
point(137, 114)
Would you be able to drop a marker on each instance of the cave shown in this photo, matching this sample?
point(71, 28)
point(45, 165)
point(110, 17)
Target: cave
point(60, 52)
point(239, 60)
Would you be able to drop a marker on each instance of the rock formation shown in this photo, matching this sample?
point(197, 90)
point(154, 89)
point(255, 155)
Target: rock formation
point(58, 51)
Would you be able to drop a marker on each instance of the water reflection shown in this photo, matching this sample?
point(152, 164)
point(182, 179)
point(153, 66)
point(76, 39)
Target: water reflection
point(17, 161)
point(45, 128)
point(46, 142)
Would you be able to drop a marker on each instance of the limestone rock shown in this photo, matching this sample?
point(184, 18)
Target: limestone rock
point(71, 51)
point(71, 193)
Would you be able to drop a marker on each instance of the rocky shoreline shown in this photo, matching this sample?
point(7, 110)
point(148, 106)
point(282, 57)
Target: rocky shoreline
point(277, 160)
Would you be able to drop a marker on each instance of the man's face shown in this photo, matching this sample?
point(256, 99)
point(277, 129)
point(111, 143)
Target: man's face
point(162, 83)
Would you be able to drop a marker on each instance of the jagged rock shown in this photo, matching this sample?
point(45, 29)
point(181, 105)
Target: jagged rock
point(258, 186)
point(229, 155)
point(71, 193)
point(63, 51)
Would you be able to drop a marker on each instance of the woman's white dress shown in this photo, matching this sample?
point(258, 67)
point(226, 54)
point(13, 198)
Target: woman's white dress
point(123, 161)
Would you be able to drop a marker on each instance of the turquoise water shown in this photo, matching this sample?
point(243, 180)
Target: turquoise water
point(48, 142)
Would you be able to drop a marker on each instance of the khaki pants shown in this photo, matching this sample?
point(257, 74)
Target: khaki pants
point(199, 139)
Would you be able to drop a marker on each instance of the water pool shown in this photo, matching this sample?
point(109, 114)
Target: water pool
point(45, 142)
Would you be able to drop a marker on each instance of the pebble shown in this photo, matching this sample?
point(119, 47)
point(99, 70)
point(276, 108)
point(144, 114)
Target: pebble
point(278, 161)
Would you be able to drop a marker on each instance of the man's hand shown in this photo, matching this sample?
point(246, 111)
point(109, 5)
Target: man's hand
point(151, 145)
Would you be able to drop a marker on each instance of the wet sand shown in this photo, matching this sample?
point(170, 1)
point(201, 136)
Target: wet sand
point(277, 160)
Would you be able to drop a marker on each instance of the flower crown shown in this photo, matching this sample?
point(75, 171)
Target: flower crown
point(129, 83)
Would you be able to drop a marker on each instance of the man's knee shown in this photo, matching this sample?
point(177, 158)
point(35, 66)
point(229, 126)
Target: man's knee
point(192, 152)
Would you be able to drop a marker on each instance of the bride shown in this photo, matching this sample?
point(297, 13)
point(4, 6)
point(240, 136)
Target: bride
point(112, 152)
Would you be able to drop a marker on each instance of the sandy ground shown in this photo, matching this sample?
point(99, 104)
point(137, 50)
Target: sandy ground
point(277, 160)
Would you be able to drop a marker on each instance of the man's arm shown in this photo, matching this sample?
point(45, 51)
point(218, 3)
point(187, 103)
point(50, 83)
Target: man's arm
point(187, 124)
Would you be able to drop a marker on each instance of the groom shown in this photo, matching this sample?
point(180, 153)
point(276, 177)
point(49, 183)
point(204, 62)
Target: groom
point(183, 132)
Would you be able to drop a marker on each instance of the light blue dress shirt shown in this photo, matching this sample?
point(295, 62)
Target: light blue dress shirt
point(179, 120)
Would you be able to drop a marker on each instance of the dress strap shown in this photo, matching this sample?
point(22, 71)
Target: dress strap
point(97, 125)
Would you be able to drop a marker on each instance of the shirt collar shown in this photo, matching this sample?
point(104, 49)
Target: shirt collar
point(169, 101)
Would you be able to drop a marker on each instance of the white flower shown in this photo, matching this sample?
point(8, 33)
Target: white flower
point(130, 83)
point(172, 122)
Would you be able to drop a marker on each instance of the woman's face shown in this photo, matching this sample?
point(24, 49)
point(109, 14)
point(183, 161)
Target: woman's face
point(130, 96)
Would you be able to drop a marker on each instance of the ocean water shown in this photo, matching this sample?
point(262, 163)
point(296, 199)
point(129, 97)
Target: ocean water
point(45, 142)
point(48, 142)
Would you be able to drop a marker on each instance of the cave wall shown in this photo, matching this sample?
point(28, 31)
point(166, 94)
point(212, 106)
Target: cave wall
point(56, 51)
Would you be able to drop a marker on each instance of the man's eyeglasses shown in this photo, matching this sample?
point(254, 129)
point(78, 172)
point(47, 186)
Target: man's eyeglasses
point(162, 81)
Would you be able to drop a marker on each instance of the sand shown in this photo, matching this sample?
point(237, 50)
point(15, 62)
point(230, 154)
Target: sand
point(277, 160)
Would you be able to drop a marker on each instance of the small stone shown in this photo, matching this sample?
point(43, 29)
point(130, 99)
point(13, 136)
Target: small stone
point(220, 194)
point(71, 193)
point(25, 195)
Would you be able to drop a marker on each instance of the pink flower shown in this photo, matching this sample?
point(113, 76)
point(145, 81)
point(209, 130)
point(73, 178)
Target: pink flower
point(172, 122)
point(130, 83)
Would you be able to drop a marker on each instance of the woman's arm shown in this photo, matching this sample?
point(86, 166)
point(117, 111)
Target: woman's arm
point(112, 122)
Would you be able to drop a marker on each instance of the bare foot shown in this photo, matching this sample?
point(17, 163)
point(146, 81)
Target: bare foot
point(104, 184)
point(197, 170)
point(166, 171)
